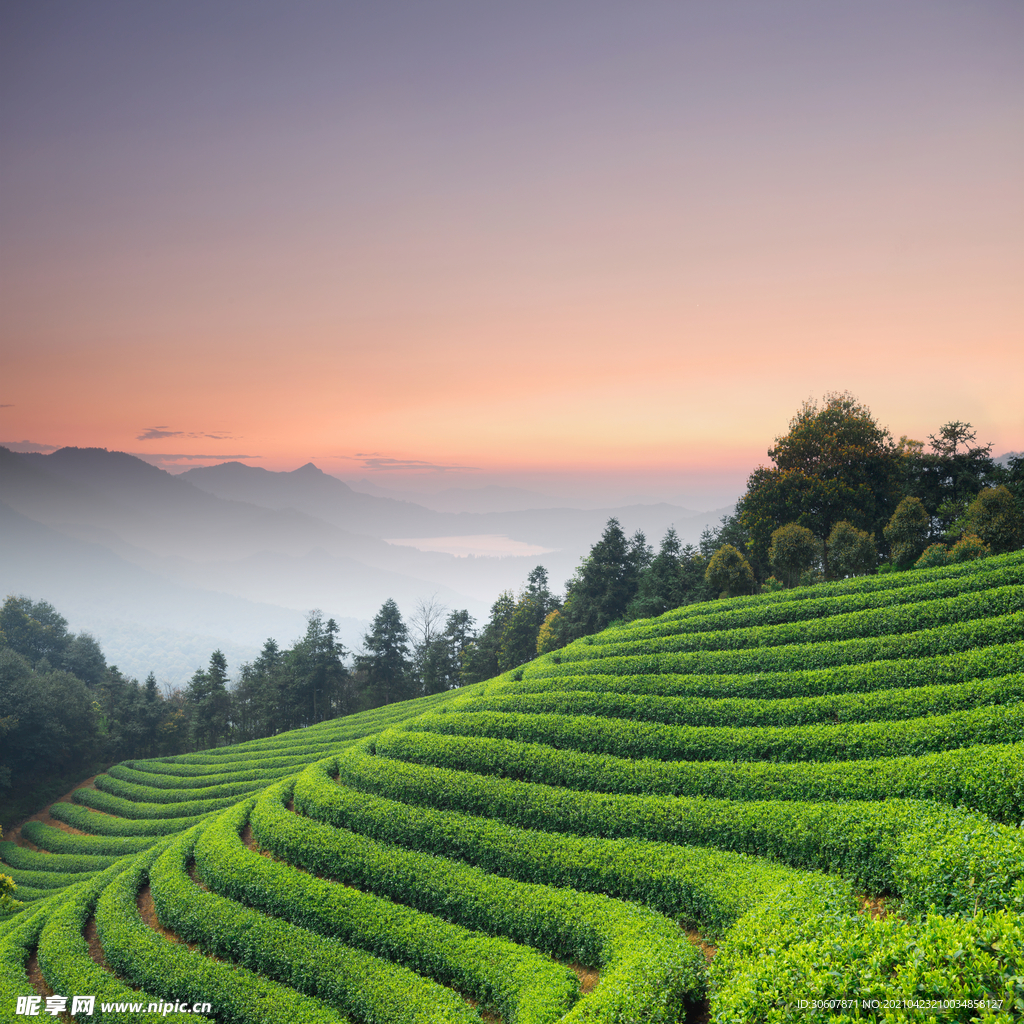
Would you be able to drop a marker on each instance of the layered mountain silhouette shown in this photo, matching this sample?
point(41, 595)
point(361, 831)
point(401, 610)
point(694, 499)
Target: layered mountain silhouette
point(237, 553)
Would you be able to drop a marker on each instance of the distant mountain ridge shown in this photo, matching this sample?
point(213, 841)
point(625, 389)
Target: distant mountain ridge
point(135, 538)
point(310, 490)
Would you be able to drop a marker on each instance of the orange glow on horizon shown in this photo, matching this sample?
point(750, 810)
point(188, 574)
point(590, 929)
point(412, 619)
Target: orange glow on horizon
point(637, 259)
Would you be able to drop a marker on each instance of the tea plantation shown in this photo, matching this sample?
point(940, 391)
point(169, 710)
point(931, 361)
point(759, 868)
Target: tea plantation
point(800, 806)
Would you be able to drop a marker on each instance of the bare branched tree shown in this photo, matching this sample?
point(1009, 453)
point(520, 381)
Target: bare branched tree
point(425, 626)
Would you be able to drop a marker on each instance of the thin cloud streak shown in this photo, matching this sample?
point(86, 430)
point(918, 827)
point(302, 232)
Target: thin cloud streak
point(371, 460)
point(29, 446)
point(156, 433)
point(179, 455)
point(178, 462)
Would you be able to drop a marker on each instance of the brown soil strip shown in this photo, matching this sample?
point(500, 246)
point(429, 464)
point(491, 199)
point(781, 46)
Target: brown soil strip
point(874, 907)
point(246, 836)
point(147, 911)
point(709, 951)
point(92, 939)
point(700, 1013)
point(589, 977)
point(193, 873)
point(44, 816)
point(488, 1015)
point(250, 843)
point(35, 975)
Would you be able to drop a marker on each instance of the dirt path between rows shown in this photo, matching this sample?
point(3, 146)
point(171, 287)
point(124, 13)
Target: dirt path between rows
point(44, 816)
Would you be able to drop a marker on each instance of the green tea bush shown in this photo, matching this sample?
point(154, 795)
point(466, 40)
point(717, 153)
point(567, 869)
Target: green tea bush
point(883, 705)
point(251, 766)
point(136, 793)
point(17, 941)
point(25, 880)
point(989, 779)
point(57, 841)
point(646, 964)
point(108, 825)
point(126, 808)
point(247, 771)
point(819, 742)
point(499, 973)
point(817, 607)
point(703, 887)
point(741, 767)
point(870, 842)
point(978, 663)
point(67, 966)
point(174, 971)
point(860, 585)
point(349, 979)
point(950, 639)
point(872, 622)
point(34, 860)
point(934, 969)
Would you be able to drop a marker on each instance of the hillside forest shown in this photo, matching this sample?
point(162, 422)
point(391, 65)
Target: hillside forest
point(842, 498)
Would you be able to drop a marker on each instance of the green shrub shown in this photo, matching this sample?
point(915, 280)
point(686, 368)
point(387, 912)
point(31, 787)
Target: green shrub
point(108, 825)
point(349, 979)
point(817, 742)
point(933, 555)
point(67, 966)
point(858, 677)
point(497, 972)
point(17, 941)
point(969, 548)
point(989, 779)
point(100, 801)
point(948, 639)
point(136, 793)
point(177, 973)
point(57, 841)
point(874, 622)
point(246, 771)
point(880, 705)
point(34, 860)
point(901, 967)
point(704, 887)
point(866, 841)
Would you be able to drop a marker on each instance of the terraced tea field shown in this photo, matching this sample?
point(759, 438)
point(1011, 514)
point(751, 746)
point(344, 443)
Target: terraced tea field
point(764, 802)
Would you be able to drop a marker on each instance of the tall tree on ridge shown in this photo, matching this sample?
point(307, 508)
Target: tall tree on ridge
point(318, 677)
point(605, 582)
point(834, 464)
point(386, 661)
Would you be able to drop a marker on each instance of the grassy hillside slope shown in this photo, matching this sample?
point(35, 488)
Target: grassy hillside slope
point(824, 784)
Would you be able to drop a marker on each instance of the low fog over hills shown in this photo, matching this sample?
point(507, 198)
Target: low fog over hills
point(162, 569)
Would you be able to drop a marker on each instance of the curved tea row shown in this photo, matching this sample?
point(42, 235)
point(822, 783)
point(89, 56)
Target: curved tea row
point(826, 783)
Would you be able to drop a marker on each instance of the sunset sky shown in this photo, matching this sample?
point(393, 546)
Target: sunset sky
point(584, 247)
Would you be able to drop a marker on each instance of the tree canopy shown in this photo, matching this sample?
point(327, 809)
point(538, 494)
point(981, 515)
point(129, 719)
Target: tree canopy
point(386, 662)
point(605, 582)
point(834, 464)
